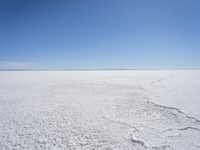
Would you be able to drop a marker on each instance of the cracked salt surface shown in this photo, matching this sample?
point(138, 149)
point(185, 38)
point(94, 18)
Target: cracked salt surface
point(150, 110)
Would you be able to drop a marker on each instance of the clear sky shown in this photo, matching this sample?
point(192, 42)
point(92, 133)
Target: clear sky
point(97, 34)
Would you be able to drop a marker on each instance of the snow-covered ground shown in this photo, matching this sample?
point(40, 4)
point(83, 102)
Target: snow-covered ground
point(100, 110)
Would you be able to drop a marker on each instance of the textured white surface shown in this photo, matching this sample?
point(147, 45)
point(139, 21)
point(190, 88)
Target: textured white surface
point(100, 110)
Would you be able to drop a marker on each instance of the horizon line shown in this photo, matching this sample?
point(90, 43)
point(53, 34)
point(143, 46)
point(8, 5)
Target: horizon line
point(109, 69)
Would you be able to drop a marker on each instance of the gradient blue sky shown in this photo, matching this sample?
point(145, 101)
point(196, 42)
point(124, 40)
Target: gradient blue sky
point(79, 34)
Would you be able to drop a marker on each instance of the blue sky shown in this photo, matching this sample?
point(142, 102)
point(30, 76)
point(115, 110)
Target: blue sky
point(97, 34)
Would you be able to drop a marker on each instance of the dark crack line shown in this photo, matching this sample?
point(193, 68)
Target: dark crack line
point(154, 82)
point(160, 80)
point(189, 128)
point(140, 142)
point(172, 108)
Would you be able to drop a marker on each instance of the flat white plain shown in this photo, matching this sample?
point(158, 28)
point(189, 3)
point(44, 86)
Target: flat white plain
point(100, 110)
